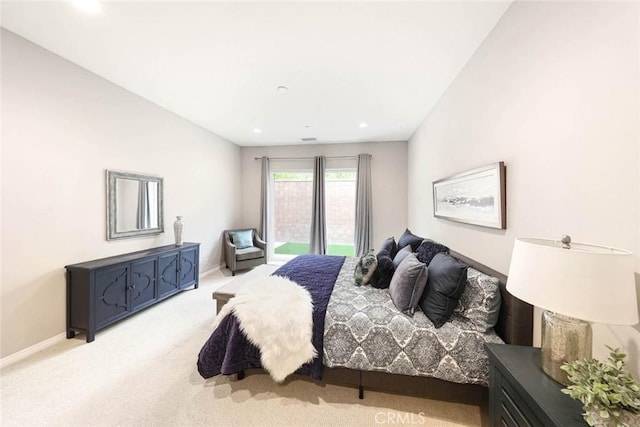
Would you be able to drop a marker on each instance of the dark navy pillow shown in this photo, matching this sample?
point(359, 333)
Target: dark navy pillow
point(408, 238)
point(446, 283)
point(389, 246)
point(383, 273)
point(428, 249)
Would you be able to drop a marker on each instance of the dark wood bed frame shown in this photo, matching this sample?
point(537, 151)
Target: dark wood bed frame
point(515, 326)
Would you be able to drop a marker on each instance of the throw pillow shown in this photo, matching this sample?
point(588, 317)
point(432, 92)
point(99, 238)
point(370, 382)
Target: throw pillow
point(384, 272)
point(428, 249)
point(408, 238)
point(242, 239)
point(365, 268)
point(408, 283)
point(389, 246)
point(447, 281)
point(480, 301)
point(401, 255)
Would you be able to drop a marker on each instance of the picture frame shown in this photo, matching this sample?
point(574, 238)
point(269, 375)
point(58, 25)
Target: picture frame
point(476, 197)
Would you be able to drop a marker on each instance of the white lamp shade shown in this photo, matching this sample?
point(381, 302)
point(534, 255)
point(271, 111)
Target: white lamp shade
point(588, 282)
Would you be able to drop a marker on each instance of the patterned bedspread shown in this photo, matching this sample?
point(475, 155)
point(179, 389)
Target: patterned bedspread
point(363, 330)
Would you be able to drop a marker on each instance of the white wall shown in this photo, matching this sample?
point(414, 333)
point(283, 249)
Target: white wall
point(553, 92)
point(62, 126)
point(388, 178)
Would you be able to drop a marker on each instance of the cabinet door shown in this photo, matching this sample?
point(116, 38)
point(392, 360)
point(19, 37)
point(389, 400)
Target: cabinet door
point(168, 274)
point(188, 271)
point(510, 408)
point(111, 293)
point(143, 283)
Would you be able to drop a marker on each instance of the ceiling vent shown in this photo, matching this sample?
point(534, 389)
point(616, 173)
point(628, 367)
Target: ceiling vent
point(309, 139)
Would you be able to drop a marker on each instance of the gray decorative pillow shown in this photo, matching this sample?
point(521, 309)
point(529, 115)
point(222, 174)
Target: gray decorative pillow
point(480, 301)
point(365, 268)
point(407, 284)
point(401, 255)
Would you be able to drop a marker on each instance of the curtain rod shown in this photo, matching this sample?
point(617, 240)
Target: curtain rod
point(307, 158)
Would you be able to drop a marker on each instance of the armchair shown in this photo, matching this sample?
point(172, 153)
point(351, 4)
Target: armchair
point(237, 258)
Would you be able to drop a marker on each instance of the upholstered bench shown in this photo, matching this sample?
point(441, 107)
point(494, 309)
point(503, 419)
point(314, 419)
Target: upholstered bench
point(228, 291)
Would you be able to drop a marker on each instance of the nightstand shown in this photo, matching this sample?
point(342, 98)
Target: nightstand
point(521, 394)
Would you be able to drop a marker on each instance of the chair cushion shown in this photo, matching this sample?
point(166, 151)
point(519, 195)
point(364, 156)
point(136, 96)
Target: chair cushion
point(242, 239)
point(249, 253)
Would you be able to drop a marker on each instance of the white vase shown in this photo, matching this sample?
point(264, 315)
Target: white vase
point(177, 230)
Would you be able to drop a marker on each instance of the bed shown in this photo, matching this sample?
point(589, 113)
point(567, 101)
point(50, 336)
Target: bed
point(390, 360)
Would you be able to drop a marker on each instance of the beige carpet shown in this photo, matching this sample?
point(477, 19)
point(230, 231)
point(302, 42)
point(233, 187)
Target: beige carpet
point(142, 372)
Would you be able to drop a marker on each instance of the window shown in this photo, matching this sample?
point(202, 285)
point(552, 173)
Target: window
point(291, 208)
point(292, 203)
point(340, 199)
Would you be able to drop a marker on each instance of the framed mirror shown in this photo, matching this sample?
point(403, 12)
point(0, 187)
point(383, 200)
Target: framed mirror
point(134, 205)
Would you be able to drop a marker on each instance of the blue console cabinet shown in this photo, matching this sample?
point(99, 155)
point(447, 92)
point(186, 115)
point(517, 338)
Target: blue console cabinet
point(103, 291)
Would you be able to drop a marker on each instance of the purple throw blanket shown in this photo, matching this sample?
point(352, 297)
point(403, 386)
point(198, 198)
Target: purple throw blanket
point(227, 351)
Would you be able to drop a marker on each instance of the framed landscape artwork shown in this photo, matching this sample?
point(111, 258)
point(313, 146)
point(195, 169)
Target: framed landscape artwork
point(473, 197)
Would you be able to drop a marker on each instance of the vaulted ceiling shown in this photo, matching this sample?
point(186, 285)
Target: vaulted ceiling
point(351, 71)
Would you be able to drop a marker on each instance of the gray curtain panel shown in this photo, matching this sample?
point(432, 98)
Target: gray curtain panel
point(363, 223)
point(144, 216)
point(264, 200)
point(318, 243)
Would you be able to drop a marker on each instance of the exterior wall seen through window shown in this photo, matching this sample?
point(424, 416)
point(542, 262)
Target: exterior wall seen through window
point(292, 204)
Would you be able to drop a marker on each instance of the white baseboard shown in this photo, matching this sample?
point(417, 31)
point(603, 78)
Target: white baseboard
point(210, 271)
point(42, 345)
point(23, 354)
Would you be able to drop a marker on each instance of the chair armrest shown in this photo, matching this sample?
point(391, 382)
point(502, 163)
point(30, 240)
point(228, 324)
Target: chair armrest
point(230, 246)
point(230, 254)
point(259, 243)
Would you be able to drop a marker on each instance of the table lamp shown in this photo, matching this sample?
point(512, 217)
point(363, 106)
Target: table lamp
point(575, 284)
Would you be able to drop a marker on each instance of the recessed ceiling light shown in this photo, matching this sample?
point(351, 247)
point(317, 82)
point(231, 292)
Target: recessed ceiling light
point(363, 125)
point(256, 130)
point(283, 89)
point(88, 6)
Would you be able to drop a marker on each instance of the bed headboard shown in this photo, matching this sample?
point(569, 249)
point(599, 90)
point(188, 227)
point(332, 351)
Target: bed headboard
point(515, 324)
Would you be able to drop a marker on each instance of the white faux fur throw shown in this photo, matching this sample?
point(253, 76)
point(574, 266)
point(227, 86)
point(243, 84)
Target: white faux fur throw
point(276, 315)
